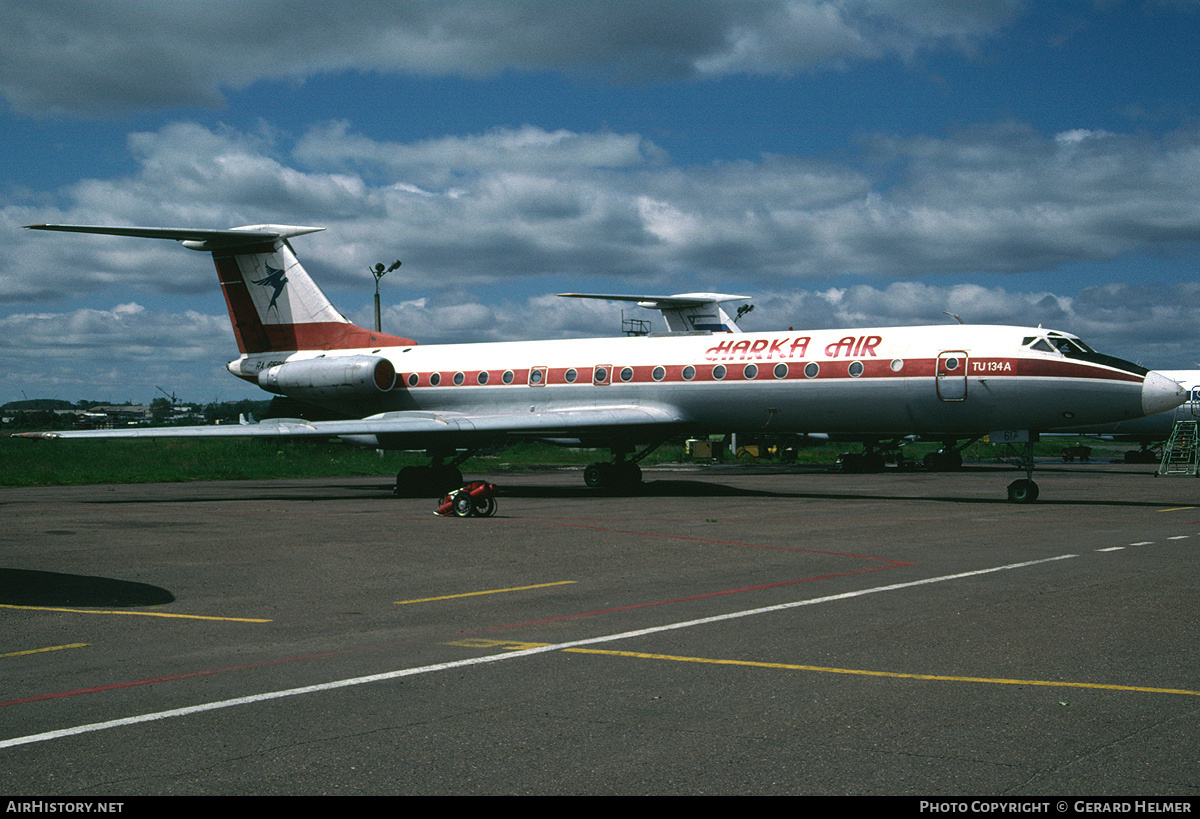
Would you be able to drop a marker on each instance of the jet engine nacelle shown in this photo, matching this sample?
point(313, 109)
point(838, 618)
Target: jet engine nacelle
point(336, 377)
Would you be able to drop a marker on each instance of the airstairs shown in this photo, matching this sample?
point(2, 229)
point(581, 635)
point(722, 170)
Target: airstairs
point(1181, 455)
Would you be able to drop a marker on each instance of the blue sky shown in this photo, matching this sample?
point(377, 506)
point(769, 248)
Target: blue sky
point(849, 163)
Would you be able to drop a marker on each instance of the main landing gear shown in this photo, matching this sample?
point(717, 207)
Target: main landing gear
point(431, 481)
point(949, 457)
point(1145, 455)
point(874, 458)
point(621, 473)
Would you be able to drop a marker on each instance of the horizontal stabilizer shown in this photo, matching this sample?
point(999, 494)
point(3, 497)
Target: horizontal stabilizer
point(660, 302)
point(196, 238)
point(683, 312)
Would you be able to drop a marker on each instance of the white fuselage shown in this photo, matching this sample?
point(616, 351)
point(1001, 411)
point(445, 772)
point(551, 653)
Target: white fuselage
point(936, 380)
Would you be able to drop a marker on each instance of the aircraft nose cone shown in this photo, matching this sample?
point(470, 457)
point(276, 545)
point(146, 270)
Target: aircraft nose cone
point(1160, 394)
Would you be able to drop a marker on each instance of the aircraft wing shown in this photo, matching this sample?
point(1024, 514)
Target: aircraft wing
point(544, 423)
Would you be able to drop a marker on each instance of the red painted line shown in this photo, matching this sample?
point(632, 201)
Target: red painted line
point(735, 543)
point(170, 678)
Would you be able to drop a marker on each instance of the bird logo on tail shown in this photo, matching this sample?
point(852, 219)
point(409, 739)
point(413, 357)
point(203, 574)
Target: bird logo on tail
point(274, 279)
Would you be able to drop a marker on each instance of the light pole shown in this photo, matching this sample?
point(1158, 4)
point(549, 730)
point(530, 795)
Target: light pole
point(379, 272)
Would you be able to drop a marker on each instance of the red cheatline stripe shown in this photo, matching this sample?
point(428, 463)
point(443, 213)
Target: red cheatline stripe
point(735, 372)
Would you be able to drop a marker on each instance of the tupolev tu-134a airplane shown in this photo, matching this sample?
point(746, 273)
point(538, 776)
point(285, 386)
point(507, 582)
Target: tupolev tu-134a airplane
point(950, 382)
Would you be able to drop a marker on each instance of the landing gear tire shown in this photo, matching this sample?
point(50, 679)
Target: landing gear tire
point(620, 475)
point(444, 477)
point(1023, 491)
point(598, 475)
point(943, 461)
point(427, 481)
point(873, 462)
point(1141, 456)
point(852, 462)
point(627, 473)
point(410, 481)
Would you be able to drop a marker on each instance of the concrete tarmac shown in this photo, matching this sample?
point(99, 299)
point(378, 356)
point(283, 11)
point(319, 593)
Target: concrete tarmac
point(721, 631)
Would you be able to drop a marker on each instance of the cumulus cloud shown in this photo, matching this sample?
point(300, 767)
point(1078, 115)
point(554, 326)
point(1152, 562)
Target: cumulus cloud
point(471, 211)
point(90, 57)
point(120, 353)
point(485, 231)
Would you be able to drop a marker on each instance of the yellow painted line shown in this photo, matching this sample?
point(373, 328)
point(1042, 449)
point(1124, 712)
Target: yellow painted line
point(790, 667)
point(141, 613)
point(1177, 509)
point(483, 642)
point(489, 591)
point(40, 650)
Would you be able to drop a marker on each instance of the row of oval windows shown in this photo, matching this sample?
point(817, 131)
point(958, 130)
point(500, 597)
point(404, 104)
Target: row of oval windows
point(600, 374)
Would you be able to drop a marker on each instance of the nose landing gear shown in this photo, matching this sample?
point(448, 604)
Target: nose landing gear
point(1024, 490)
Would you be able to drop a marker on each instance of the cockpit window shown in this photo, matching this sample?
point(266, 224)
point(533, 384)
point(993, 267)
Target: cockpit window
point(1074, 348)
point(1056, 342)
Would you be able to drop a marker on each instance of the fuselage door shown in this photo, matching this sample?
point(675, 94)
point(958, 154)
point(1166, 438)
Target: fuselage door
point(952, 375)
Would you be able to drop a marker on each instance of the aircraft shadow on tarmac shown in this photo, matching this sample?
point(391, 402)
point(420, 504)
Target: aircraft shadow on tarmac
point(651, 488)
point(702, 489)
point(26, 587)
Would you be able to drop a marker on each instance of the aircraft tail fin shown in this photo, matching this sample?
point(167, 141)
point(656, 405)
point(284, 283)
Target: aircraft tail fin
point(273, 303)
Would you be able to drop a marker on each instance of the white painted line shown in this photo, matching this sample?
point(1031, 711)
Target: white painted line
point(1178, 537)
point(495, 658)
point(1143, 543)
point(1111, 549)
